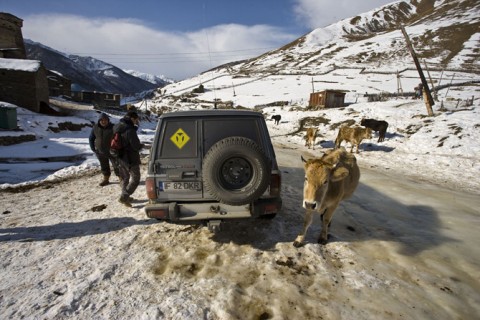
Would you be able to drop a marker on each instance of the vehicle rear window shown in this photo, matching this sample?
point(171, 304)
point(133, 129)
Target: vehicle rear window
point(179, 140)
point(218, 129)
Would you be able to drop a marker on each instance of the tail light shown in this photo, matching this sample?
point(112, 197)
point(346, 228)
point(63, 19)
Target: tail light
point(275, 184)
point(150, 188)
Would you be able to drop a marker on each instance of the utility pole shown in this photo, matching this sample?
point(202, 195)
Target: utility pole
point(429, 100)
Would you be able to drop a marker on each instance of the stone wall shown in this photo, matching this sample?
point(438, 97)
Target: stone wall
point(9, 140)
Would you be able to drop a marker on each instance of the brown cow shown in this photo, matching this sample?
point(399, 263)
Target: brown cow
point(328, 180)
point(354, 135)
point(310, 138)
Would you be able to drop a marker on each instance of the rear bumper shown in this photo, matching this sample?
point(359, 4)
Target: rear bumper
point(191, 211)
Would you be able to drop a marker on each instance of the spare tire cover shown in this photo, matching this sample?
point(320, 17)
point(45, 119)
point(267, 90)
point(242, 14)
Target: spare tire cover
point(236, 171)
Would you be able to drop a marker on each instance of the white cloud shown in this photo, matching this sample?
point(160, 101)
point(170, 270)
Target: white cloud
point(130, 44)
point(320, 13)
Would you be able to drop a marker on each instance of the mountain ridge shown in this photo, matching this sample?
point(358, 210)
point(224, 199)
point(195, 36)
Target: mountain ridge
point(439, 31)
point(90, 74)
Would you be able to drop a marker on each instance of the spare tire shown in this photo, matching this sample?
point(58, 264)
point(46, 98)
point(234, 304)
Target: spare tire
point(236, 171)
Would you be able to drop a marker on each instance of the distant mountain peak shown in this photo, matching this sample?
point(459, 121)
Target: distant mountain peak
point(150, 77)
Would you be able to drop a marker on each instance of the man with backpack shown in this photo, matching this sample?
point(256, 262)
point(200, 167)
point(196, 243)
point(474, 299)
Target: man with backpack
point(129, 155)
point(100, 139)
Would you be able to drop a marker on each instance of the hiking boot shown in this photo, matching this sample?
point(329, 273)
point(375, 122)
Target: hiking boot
point(125, 201)
point(105, 181)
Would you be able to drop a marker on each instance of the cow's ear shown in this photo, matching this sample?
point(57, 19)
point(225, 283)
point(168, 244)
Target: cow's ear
point(339, 174)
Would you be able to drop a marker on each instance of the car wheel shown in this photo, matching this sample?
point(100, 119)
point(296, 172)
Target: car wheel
point(236, 171)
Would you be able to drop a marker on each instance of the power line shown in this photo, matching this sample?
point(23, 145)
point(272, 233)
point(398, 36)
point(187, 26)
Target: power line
point(167, 54)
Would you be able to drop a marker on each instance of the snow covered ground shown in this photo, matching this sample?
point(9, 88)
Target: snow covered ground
point(404, 247)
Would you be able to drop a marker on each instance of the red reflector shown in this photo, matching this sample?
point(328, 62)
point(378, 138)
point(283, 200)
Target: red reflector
point(270, 208)
point(150, 188)
point(157, 213)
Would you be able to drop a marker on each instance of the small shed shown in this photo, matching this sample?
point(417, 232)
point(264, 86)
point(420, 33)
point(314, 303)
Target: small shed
point(327, 99)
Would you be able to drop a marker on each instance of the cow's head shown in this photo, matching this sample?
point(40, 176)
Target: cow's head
point(319, 174)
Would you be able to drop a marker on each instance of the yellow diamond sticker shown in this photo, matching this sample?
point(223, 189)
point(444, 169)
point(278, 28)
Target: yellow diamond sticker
point(180, 138)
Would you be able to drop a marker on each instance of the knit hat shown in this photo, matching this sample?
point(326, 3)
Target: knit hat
point(103, 116)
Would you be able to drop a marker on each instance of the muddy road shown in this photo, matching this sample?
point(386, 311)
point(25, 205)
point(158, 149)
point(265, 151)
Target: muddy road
point(399, 249)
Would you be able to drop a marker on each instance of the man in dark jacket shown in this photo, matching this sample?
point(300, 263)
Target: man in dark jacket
point(129, 161)
point(100, 138)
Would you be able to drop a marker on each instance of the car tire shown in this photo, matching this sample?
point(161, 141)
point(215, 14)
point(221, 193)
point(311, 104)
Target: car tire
point(236, 171)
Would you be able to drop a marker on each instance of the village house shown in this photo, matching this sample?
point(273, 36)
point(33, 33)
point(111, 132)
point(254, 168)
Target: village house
point(98, 99)
point(24, 83)
point(58, 85)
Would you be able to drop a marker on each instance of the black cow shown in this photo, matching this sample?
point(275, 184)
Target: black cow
point(376, 125)
point(277, 118)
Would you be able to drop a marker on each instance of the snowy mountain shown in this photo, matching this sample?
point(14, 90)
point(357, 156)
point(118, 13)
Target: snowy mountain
point(446, 33)
point(88, 73)
point(160, 81)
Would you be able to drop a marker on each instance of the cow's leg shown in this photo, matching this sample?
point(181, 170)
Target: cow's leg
point(338, 142)
point(326, 220)
point(307, 221)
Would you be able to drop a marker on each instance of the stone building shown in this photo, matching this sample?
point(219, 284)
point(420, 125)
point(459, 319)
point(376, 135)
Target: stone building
point(11, 39)
point(22, 82)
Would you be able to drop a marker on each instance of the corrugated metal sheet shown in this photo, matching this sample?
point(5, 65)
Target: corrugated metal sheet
point(327, 99)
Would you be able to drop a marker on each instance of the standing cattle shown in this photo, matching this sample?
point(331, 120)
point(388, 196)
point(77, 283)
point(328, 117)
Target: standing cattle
point(376, 125)
point(310, 138)
point(328, 180)
point(277, 118)
point(354, 135)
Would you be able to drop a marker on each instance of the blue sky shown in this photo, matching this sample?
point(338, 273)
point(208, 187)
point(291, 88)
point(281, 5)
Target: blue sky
point(176, 38)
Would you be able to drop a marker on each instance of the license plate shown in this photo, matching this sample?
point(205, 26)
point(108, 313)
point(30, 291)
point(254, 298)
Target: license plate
point(181, 186)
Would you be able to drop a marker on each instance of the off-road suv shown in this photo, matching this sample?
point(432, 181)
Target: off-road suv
point(212, 165)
